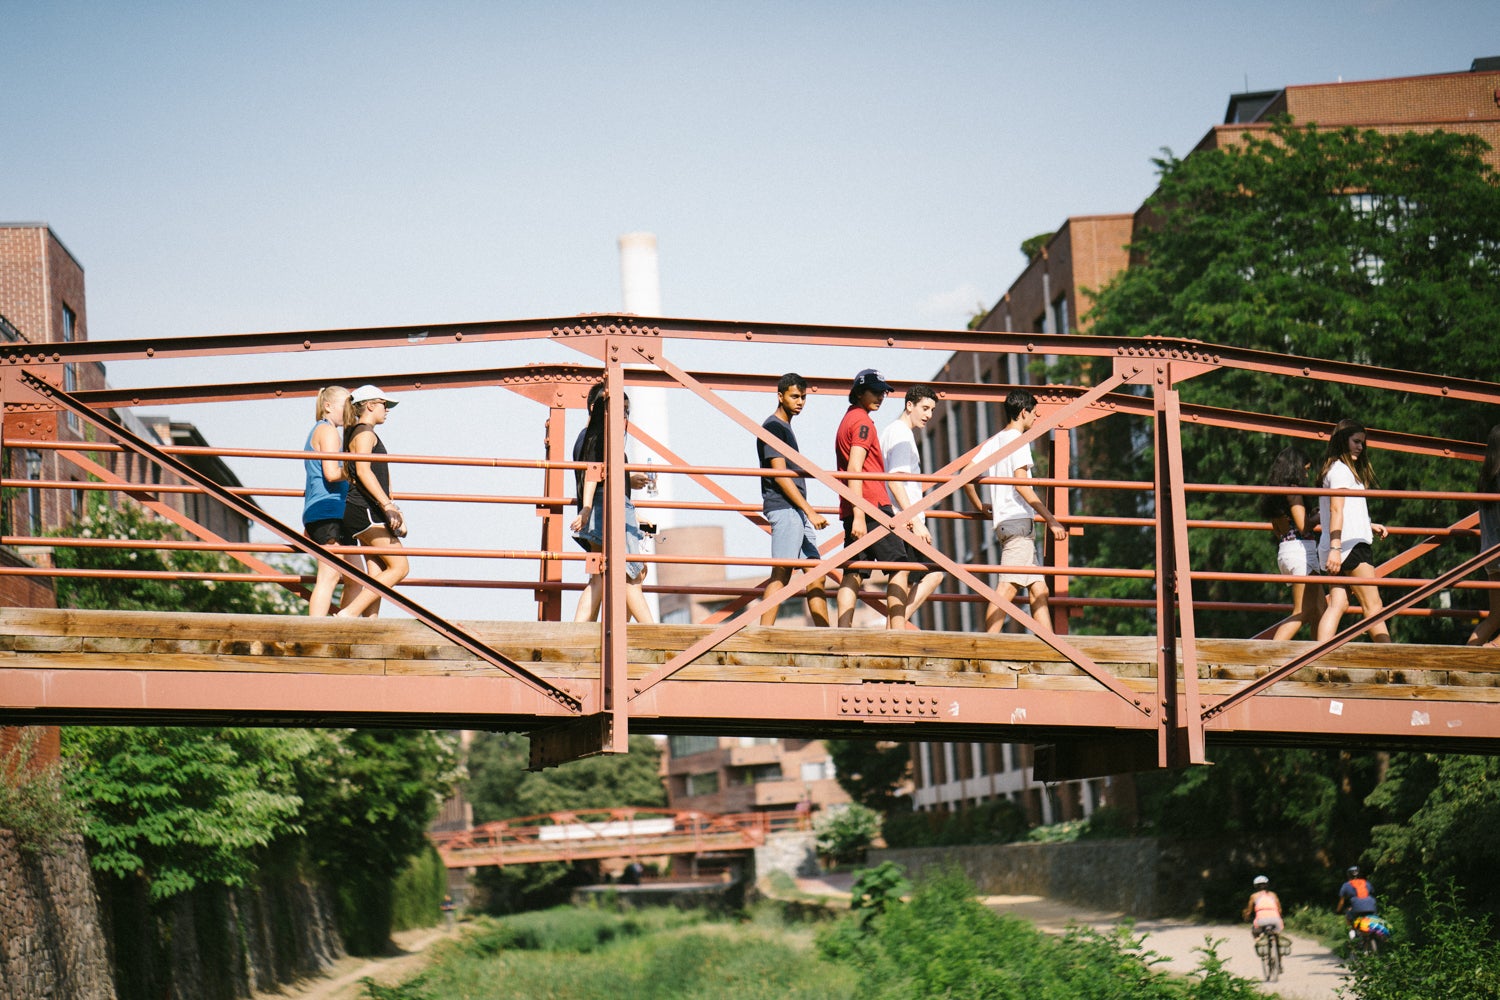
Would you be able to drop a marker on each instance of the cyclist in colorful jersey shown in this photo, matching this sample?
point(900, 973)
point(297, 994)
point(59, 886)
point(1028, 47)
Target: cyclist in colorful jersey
point(1264, 909)
point(1357, 895)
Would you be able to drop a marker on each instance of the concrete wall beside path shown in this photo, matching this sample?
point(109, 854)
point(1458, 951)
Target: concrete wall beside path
point(1139, 877)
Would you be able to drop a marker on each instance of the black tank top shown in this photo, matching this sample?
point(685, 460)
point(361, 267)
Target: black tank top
point(382, 470)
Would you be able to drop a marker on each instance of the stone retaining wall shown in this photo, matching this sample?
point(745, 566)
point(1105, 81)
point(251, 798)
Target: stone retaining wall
point(1140, 877)
point(51, 945)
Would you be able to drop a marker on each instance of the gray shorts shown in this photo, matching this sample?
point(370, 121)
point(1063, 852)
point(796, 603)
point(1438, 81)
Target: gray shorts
point(792, 535)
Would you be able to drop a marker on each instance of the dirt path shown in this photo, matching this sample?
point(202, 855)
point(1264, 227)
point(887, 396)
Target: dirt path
point(343, 980)
point(1311, 972)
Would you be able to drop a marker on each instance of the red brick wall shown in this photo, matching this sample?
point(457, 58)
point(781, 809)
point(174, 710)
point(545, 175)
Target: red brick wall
point(1450, 97)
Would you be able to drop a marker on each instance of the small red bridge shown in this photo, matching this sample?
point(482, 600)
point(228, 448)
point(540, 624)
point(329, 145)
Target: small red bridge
point(583, 835)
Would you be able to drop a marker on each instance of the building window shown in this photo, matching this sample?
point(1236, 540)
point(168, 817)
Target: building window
point(762, 772)
point(817, 770)
point(70, 325)
point(686, 746)
point(706, 783)
point(34, 495)
point(1060, 315)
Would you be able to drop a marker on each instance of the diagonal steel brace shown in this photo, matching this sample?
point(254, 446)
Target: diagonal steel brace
point(301, 542)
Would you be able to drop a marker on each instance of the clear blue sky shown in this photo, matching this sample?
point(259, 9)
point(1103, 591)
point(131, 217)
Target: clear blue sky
point(226, 168)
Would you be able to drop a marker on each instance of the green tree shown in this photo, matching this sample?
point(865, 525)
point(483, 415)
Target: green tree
point(1341, 244)
point(872, 772)
point(185, 807)
point(500, 787)
point(128, 520)
point(370, 797)
point(1439, 814)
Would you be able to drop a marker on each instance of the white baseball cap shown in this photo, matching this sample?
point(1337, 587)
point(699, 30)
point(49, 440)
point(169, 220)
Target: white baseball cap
point(365, 393)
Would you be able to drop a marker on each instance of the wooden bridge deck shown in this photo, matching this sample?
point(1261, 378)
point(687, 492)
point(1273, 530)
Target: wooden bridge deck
point(136, 667)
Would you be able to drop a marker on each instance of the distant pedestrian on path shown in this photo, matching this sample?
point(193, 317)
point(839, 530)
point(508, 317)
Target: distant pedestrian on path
point(1013, 509)
point(783, 501)
point(903, 455)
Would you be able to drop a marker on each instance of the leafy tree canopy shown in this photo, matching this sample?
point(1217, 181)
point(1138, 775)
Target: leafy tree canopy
point(130, 520)
point(500, 787)
point(872, 772)
point(1340, 244)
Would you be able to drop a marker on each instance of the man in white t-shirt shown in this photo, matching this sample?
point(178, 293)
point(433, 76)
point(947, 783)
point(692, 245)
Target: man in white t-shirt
point(1012, 508)
point(902, 455)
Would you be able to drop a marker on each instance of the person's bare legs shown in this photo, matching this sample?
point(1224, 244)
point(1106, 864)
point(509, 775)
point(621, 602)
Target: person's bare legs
point(1369, 599)
point(924, 589)
point(321, 598)
point(1338, 603)
point(817, 604)
point(385, 563)
point(1490, 627)
point(1307, 609)
point(994, 617)
point(897, 593)
point(1040, 601)
point(848, 596)
point(589, 600)
point(635, 600)
point(779, 576)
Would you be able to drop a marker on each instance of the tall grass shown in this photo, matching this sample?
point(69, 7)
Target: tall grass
point(661, 954)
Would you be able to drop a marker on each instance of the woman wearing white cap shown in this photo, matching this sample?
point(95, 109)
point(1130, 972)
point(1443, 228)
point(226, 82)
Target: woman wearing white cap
point(371, 517)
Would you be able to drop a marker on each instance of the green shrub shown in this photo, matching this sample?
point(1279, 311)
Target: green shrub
point(37, 804)
point(1450, 954)
point(417, 897)
point(845, 834)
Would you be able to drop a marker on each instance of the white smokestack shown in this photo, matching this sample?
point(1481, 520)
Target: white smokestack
point(640, 286)
point(640, 280)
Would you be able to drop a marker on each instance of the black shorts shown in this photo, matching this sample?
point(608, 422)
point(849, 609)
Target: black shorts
point(1360, 555)
point(888, 549)
point(358, 518)
point(327, 532)
point(912, 555)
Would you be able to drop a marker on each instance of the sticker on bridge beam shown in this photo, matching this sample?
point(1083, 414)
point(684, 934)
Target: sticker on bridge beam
point(1420, 718)
point(1335, 708)
point(889, 701)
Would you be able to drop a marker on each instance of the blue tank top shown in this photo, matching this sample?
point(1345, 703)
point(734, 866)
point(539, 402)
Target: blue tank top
point(321, 500)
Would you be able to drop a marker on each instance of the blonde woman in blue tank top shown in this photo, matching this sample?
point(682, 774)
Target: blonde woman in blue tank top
point(323, 494)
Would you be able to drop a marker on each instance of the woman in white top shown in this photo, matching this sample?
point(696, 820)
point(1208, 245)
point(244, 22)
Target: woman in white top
point(1347, 529)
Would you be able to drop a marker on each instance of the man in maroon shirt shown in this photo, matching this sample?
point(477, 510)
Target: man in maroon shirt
point(858, 450)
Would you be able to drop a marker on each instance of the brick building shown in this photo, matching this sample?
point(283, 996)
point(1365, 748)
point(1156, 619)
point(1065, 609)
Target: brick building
point(42, 302)
point(1050, 296)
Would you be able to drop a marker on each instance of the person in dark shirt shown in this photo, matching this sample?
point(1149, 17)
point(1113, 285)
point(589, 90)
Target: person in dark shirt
point(783, 501)
point(1356, 897)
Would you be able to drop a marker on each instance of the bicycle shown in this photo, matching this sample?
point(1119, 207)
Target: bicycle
point(1271, 946)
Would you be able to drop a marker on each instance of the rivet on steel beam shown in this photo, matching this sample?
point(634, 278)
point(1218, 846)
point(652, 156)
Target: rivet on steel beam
point(150, 352)
point(749, 335)
point(459, 335)
point(307, 345)
point(1445, 390)
point(890, 342)
point(1030, 347)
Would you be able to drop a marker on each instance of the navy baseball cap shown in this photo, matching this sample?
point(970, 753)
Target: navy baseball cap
point(868, 379)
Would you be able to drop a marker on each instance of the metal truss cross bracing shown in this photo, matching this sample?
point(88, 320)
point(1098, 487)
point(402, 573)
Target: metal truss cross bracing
point(582, 687)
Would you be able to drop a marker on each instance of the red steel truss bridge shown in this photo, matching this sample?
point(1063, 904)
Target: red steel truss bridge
point(584, 835)
point(1106, 702)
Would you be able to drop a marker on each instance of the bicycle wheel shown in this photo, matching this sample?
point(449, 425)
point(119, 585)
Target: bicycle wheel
point(1267, 949)
point(1275, 952)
